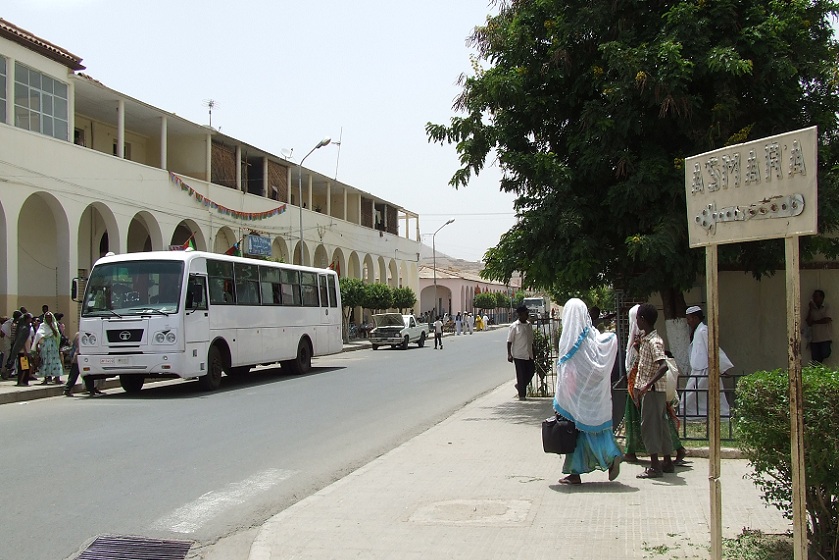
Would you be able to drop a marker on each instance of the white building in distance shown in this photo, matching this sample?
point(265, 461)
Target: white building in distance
point(85, 170)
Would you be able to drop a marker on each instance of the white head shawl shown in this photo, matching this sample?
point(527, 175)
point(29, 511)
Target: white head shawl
point(583, 380)
point(634, 332)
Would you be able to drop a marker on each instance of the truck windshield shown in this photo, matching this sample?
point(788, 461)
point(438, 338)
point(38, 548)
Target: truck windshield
point(133, 288)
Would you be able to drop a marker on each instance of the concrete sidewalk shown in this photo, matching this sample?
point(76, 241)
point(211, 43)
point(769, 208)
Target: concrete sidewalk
point(478, 485)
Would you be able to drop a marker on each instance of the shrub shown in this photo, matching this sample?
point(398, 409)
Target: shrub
point(762, 421)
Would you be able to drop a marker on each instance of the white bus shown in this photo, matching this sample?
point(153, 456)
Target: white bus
point(191, 314)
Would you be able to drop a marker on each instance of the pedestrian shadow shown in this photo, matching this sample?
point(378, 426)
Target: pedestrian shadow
point(530, 412)
point(595, 487)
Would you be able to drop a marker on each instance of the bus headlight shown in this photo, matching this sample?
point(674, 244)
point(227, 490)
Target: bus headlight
point(88, 339)
point(165, 337)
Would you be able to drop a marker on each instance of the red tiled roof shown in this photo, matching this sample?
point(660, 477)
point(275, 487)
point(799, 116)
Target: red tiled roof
point(27, 39)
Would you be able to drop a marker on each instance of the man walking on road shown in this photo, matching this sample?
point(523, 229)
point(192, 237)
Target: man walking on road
point(438, 333)
point(520, 351)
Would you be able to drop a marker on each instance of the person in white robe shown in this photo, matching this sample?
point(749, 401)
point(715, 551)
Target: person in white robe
point(695, 396)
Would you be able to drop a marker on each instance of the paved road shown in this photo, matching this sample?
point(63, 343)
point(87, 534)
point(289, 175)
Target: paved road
point(173, 462)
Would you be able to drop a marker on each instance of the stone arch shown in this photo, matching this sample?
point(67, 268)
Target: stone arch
point(393, 279)
point(43, 233)
point(368, 270)
point(306, 255)
point(321, 258)
point(354, 266)
point(225, 239)
point(279, 249)
point(98, 233)
point(381, 270)
point(189, 229)
point(339, 262)
point(144, 233)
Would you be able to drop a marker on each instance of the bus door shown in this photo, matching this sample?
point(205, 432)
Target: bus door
point(196, 314)
point(325, 313)
point(330, 315)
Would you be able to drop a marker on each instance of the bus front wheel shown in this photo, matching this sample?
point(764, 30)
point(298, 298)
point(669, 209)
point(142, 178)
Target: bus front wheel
point(132, 383)
point(303, 362)
point(215, 366)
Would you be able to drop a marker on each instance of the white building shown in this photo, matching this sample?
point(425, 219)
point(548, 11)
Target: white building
point(85, 169)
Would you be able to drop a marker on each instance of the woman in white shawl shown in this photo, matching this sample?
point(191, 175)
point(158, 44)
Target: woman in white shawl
point(46, 341)
point(584, 393)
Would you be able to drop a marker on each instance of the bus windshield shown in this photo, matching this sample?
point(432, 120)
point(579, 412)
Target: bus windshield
point(133, 288)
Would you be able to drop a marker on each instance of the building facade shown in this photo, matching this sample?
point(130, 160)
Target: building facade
point(85, 170)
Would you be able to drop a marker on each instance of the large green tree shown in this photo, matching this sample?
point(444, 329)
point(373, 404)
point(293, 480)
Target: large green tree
point(590, 108)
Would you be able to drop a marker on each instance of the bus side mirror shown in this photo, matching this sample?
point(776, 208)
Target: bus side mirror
point(74, 290)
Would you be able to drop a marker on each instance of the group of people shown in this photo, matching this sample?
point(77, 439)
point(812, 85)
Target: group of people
point(31, 346)
point(584, 388)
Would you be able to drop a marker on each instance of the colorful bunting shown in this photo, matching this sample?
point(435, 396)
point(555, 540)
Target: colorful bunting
point(206, 202)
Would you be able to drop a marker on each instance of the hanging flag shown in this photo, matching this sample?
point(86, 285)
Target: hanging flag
point(234, 251)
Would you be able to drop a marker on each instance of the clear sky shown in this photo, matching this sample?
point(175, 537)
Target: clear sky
point(286, 74)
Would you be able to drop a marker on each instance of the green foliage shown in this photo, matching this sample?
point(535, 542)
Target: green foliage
point(590, 108)
point(484, 300)
point(502, 300)
point(403, 298)
point(352, 295)
point(518, 298)
point(762, 419)
point(542, 356)
point(352, 292)
point(377, 296)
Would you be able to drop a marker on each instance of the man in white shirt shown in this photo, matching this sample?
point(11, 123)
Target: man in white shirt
point(438, 333)
point(520, 351)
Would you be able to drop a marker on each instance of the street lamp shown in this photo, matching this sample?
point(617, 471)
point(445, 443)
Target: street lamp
point(434, 263)
point(321, 144)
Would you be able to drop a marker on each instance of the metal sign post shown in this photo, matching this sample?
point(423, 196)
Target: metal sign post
point(765, 189)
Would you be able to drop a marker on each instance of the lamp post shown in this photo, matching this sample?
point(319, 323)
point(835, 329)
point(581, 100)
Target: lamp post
point(321, 144)
point(434, 264)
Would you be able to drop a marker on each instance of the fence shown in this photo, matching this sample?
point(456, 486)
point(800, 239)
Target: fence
point(693, 424)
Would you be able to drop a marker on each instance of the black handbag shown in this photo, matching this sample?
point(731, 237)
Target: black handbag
point(559, 435)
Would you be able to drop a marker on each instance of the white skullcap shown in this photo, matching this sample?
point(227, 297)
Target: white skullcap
point(693, 309)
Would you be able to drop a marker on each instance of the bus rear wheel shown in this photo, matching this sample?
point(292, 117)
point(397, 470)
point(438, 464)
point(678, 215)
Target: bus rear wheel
point(131, 383)
point(215, 366)
point(303, 362)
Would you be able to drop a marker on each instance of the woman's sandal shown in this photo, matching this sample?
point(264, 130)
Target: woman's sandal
point(571, 479)
point(650, 473)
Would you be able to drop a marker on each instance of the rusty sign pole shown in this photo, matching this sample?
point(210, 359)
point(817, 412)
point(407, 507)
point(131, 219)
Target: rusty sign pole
point(796, 400)
point(714, 466)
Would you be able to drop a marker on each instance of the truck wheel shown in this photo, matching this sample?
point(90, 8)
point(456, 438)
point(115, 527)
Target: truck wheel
point(405, 343)
point(375, 346)
point(421, 341)
point(132, 383)
point(215, 366)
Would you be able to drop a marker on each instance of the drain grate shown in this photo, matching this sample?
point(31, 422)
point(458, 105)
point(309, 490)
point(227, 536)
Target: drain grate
point(135, 548)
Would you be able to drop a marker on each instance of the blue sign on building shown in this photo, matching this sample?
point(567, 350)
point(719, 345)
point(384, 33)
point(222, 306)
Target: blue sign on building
point(258, 246)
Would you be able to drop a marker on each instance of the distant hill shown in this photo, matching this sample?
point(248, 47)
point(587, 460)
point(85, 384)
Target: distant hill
point(449, 263)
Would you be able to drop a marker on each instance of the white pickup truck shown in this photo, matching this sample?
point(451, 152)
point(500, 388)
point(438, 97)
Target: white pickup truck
point(397, 330)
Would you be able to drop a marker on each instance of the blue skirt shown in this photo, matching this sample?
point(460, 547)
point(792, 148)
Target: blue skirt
point(595, 450)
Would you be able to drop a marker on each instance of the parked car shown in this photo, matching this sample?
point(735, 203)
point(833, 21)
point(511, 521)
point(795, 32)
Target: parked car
point(397, 330)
